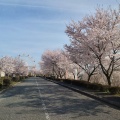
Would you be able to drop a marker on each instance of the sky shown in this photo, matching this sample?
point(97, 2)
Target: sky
point(30, 27)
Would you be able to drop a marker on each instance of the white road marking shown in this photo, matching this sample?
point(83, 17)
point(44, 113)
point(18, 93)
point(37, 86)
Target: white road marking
point(43, 103)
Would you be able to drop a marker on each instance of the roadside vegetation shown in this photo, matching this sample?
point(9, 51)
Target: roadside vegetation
point(92, 59)
point(103, 89)
point(6, 82)
point(13, 70)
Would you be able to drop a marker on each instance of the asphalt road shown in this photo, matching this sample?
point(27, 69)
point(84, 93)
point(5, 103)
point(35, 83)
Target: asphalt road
point(38, 99)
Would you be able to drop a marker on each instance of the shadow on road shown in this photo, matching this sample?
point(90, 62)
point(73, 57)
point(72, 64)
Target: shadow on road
point(58, 100)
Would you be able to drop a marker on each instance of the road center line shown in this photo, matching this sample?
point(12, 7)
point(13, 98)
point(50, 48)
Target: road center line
point(43, 103)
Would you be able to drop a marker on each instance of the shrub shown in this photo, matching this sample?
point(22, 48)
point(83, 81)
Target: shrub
point(16, 79)
point(76, 82)
point(1, 80)
point(67, 81)
point(6, 81)
point(22, 77)
point(94, 86)
point(26, 77)
point(53, 77)
point(104, 88)
point(80, 83)
point(0, 85)
point(114, 90)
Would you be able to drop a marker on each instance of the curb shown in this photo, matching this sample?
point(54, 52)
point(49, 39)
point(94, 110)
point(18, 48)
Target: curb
point(109, 103)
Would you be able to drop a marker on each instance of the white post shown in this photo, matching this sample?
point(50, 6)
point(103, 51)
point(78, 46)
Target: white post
point(75, 72)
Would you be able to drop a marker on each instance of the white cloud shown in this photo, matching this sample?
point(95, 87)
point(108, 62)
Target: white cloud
point(71, 5)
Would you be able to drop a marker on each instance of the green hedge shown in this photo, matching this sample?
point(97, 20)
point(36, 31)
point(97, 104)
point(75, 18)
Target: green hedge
point(92, 86)
point(66, 81)
point(114, 90)
point(6, 81)
point(1, 80)
point(80, 83)
point(104, 88)
point(16, 79)
point(22, 77)
point(0, 85)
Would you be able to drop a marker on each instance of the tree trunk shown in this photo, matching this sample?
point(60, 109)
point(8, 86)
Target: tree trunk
point(89, 76)
point(108, 80)
point(74, 76)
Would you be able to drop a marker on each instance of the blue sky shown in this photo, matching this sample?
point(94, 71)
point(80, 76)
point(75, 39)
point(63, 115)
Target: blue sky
point(33, 26)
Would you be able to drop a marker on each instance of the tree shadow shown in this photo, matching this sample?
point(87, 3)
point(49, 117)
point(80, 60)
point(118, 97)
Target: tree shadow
point(64, 101)
point(57, 99)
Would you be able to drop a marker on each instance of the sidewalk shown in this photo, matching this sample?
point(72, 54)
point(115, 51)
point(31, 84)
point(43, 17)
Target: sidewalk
point(112, 100)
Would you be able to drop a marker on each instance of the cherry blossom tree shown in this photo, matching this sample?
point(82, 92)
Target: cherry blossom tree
point(47, 63)
point(7, 65)
point(20, 67)
point(72, 67)
point(11, 65)
point(99, 34)
point(81, 56)
point(54, 63)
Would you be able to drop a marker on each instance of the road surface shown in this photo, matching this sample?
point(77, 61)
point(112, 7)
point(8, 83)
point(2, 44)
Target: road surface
point(39, 99)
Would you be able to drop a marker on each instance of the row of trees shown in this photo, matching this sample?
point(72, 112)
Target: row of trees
point(94, 47)
point(54, 63)
point(10, 66)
